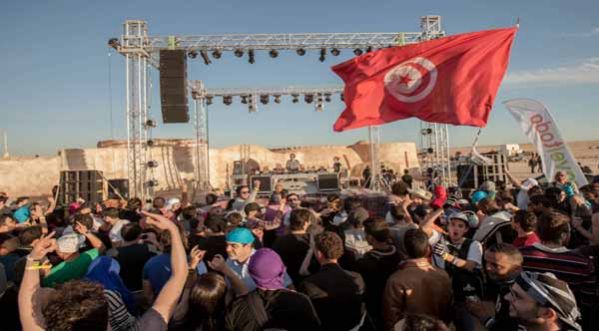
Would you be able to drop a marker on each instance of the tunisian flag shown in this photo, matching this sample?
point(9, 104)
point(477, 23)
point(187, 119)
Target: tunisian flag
point(447, 80)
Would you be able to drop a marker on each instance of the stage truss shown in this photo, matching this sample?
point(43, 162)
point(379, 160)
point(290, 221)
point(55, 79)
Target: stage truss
point(141, 51)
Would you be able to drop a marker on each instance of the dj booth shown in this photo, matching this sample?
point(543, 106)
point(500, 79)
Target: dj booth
point(300, 183)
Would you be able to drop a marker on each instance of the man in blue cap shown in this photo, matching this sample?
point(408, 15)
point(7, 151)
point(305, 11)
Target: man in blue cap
point(240, 248)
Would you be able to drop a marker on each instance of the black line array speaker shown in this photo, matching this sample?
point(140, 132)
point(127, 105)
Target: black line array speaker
point(85, 184)
point(121, 185)
point(173, 86)
point(328, 182)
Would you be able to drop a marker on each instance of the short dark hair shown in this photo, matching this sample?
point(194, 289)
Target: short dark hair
point(111, 212)
point(4, 218)
point(84, 219)
point(552, 225)
point(330, 245)
point(29, 235)
point(239, 188)
point(216, 223)
point(421, 322)
point(540, 199)
point(400, 188)
point(189, 212)
point(130, 231)
point(211, 198)
point(299, 218)
point(416, 243)
point(252, 206)
point(510, 250)
point(134, 204)
point(398, 213)
point(526, 219)
point(377, 228)
point(158, 202)
point(21, 199)
point(234, 218)
point(77, 305)
point(3, 199)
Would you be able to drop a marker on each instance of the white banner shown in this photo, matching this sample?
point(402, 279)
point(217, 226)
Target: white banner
point(541, 129)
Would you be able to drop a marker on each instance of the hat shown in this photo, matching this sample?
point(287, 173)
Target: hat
point(478, 196)
point(549, 291)
point(240, 235)
point(467, 217)
point(529, 183)
point(488, 186)
point(440, 196)
point(171, 202)
point(69, 243)
point(267, 269)
point(420, 193)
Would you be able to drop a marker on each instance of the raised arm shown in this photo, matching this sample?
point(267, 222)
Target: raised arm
point(429, 220)
point(89, 236)
point(169, 295)
point(512, 179)
point(218, 263)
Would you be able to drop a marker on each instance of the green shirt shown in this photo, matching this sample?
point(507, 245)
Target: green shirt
point(68, 270)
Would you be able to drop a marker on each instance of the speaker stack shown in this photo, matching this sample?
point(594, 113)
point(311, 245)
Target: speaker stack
point(471, 176)
point(173, 86)
point(85, 184)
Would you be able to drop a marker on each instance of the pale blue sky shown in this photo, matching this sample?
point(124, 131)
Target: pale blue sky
point(54, 68)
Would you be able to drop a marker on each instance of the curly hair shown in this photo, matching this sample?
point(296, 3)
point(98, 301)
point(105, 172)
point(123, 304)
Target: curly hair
point(552, 225)
point(330, 245)
point(77, 305)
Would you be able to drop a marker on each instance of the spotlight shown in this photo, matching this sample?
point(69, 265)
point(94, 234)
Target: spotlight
point(238, 52)
point(208, 99)
point(429, 150)
point(323, 53)
point(368, 49)
point(192, 54)
point(150, 123)
point(319, 108)
point(426, 131)
point(114, 43)
point(216, 54)
point(150, 142)
point(335, 52)
point(264, 99)
point(152, 164)
point(252, 107)
point(227, 100)
point(327, 97)
point(273, 53)
point(308, 98)
point(358, 52)
point(152, 183)
point(341, 97)
point(301, 52)
point(295, 98)
point(277, 98)
point(244, 99)
point(251, 56)
point(205, 57)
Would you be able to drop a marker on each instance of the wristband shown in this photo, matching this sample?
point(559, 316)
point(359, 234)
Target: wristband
point(29, 258)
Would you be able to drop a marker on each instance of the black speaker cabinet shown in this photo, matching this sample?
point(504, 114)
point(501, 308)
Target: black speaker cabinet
point(173, 86)
point(328, 182)
point(85, 184)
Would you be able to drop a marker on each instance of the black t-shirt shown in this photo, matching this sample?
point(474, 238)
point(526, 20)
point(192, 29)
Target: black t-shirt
point(130, 215)
point(285, 309)
point(132, 260)
point(293, 249)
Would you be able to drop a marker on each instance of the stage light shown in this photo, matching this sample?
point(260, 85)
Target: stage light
point(430, 150)
point(251, 59)
point(205, 57)
point(216, 54)
point(152, 183)
point(238, 52)
point(327, 97)
point(323, 54)
point(308, 98)
point(252, 107)
point(264, 99)
point(319, 106)
point(152, 164)
point(150, 123)
point(227, 100)
point(358, 52)
point(295, 98)
point(150, 143)
point(192, 54)
point(244, 99)
point(273, 53)
point(335, 52)
point(277, 98)
point(301, 52)
point(114, 43)
point(208, 99)
point(368, 49)
point(426, 131)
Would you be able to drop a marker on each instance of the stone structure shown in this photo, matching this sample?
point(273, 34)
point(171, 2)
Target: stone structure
point(177, 159)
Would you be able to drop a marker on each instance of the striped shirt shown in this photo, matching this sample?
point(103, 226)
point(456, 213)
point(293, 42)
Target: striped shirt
point(568, 265)
point(118, 316)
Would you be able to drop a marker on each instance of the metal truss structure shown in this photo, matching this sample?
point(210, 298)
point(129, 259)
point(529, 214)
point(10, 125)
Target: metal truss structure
point(141, 50)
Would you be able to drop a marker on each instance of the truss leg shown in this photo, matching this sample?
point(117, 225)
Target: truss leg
point(374, 138)
point(202, 147)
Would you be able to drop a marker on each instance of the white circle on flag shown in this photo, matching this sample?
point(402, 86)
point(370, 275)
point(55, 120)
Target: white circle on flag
point(406, 77)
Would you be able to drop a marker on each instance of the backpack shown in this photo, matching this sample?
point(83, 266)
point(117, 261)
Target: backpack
point(464, 283)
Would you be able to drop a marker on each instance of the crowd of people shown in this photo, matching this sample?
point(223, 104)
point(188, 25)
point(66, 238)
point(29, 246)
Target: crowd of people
point(501, 258)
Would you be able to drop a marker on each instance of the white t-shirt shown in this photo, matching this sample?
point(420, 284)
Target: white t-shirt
point(115, 231)
point(475, 251)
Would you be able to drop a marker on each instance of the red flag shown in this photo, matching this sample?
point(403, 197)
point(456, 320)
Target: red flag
point(447, 80)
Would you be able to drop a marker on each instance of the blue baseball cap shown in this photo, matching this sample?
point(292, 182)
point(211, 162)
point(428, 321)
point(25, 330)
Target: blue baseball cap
point(240, 235)
point(478, 196)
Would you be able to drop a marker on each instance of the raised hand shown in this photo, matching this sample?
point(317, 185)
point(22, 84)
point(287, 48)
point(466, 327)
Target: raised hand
point(158, 221)
point(196, 256)
point(43, 246)
point(218, 263)
point(80, 228)
point(440, 249)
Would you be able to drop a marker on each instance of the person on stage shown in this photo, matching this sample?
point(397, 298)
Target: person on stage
point(293, 165)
